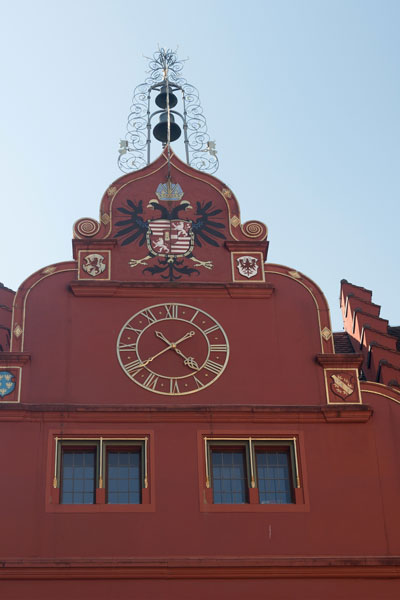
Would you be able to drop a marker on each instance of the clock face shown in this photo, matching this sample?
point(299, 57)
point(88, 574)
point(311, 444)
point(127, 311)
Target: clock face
point(172, 349)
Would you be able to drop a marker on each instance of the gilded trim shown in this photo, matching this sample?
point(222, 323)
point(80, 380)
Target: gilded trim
point(342, 369)
point(19, 369)
point(108, 266)
point(26, 293)
point(220, 192)
point(118, 189)
point(251, 440)
point(101, 440)
point(235, 255)
point(316, 304)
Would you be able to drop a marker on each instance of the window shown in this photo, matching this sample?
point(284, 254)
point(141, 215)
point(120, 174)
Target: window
point(273, 475)
point(229, 476)
point(100, 470)
point(78, 475)
point(252, 470)
point(124, 476)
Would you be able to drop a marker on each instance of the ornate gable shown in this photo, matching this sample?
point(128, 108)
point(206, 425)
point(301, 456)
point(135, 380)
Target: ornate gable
point(170, 222)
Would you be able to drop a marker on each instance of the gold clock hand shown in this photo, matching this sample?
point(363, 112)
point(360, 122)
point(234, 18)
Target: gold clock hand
point(170, 345)
point(162, 337)
point(187, 335)
point(188, 360)
point(146, 362)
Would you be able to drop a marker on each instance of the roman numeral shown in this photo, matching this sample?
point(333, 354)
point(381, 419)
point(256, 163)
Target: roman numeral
point(173, 386)
point(171, 311)
point(211, 329)
point(127, 347)
point(194, 316)
point(218, 348)
point(133, 329)
point(149, 315)
point(133, 367)
point(151, 381)
point(199, 383)
point(212, 366)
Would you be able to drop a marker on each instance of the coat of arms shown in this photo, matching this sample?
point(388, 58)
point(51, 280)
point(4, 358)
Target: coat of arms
point(342, 385)
point(7, 383)
point(170, 239)
point(247, 266)
point(94, 264)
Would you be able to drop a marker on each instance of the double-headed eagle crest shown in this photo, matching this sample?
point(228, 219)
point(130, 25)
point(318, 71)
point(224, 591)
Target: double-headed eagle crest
point(170, 240)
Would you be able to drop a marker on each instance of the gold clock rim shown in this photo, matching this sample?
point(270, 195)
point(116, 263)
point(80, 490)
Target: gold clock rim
point(195, 308)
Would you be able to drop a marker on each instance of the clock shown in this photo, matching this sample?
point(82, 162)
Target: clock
point(172, 349)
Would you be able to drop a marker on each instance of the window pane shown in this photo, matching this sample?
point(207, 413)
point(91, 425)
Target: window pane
point(229, 476)
point(273, 476)
point(124, 477)
point(78, 476)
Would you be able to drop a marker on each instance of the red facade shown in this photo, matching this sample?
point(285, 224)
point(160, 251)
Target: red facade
point(176, 423)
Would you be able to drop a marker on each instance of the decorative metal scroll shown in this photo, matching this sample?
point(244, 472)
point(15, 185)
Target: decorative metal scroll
point(134, 152)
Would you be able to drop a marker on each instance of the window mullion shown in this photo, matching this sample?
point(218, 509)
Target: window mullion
point(55, 482)
point(101, 461)
point(296, 464)
point(252, 477)
point(145, 463)
point(206, 452)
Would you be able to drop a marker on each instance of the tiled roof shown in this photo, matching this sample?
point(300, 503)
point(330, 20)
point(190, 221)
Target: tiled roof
point(341, 340)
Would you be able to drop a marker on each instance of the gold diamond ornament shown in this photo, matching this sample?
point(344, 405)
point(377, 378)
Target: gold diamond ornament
point(326, 333)
point(17, 331)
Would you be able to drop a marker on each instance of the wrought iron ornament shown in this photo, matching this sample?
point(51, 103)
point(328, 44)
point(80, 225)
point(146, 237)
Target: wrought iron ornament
point(176, 100)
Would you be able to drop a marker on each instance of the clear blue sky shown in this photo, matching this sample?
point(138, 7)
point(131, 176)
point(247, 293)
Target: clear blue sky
point(302, 98)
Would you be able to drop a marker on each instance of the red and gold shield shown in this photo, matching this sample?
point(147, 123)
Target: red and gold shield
point(166, 237)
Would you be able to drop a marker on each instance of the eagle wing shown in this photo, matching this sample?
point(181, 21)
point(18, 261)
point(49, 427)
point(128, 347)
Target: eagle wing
point(134, 227)
point(206, 228)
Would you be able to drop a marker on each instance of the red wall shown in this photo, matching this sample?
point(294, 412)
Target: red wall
point(340, 538)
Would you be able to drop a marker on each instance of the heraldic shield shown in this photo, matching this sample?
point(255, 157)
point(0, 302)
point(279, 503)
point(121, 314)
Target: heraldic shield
point(166, 238)
point(7, 383)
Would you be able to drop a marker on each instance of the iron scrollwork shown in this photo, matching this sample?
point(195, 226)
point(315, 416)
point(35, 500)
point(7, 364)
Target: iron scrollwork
point(166, 69)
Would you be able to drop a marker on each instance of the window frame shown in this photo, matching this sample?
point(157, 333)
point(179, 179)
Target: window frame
point(100, 444)
point(83, 448)
point(251, 445)
point(229, 447)
point(116, 447)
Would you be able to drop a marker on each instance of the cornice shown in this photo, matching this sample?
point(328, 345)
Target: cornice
point(144, 289)
point(251, 414)
point(198, 568)
point(88, 243)
point(248, 246)
point(14, 358)
point(340, 360)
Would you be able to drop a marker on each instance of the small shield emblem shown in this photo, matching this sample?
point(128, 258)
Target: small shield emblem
point(7, 383)
point(342, 385)
point(247, 266)
point(94, 264)
point(166, 237)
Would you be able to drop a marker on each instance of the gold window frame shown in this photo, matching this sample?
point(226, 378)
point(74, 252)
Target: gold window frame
point(101, 444)
point(250, 443)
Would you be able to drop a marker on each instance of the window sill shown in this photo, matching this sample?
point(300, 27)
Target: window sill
point(53, 504)
point(254, 505)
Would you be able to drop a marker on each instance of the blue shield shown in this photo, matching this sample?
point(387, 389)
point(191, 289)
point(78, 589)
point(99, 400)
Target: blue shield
point(7, 383)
